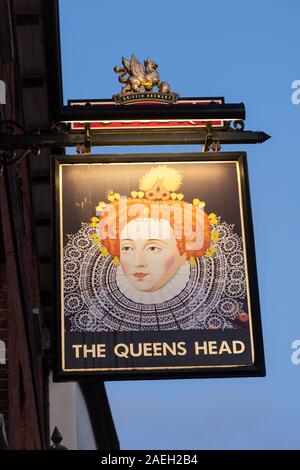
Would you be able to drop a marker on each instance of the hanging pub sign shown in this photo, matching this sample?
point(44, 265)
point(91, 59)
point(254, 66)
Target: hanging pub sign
point(155, 267)
point(155, 273)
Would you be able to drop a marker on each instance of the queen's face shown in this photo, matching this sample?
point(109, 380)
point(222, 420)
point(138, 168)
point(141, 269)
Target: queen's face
point(149, 254)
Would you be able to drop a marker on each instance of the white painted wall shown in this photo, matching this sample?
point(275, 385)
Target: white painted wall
point(68, 412)
point(85, 435)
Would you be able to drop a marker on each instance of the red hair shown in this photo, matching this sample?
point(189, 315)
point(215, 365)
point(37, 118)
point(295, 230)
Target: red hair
point(115, 214)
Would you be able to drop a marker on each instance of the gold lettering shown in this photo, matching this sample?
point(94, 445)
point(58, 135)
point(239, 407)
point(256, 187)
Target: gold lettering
point(77, 348)
point(101, 352)
point(148, 349)
point(225, 348)
point(235, 348)
point(203, 348)
point(87, 351)
point(182, 351)
point(121, 350)
point(138, 352)
point(157, 349)
point(212, 347)
point(172, 349)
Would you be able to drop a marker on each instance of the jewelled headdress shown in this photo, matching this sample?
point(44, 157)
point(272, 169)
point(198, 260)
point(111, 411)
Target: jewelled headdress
point(159, 185)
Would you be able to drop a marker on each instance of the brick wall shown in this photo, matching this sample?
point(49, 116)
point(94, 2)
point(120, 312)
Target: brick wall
point(3, 367)
point(22, 379)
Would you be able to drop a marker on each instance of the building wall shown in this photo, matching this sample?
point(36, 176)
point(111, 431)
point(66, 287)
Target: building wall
point(68, 412)
point(22, 378)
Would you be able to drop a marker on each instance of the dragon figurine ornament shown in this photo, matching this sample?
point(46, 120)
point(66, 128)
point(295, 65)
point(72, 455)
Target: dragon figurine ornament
point(141, 79)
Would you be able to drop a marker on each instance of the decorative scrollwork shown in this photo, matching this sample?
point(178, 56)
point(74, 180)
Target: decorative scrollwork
point(10, 127)
point(59, 128)
point(238, 125)
point(8, 154)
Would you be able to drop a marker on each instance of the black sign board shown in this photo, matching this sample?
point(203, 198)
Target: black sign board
point(155, 273)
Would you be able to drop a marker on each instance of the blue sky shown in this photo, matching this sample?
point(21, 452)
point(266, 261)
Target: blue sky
point(247, 52)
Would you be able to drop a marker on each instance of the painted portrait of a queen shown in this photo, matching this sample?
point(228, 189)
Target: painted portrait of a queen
point(158, 253)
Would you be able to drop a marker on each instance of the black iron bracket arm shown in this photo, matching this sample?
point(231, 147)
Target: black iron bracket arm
point(16, 142)
point(47, 139)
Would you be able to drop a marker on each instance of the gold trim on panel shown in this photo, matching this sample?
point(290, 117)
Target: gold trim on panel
point(237, 165)
point(246, 261)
